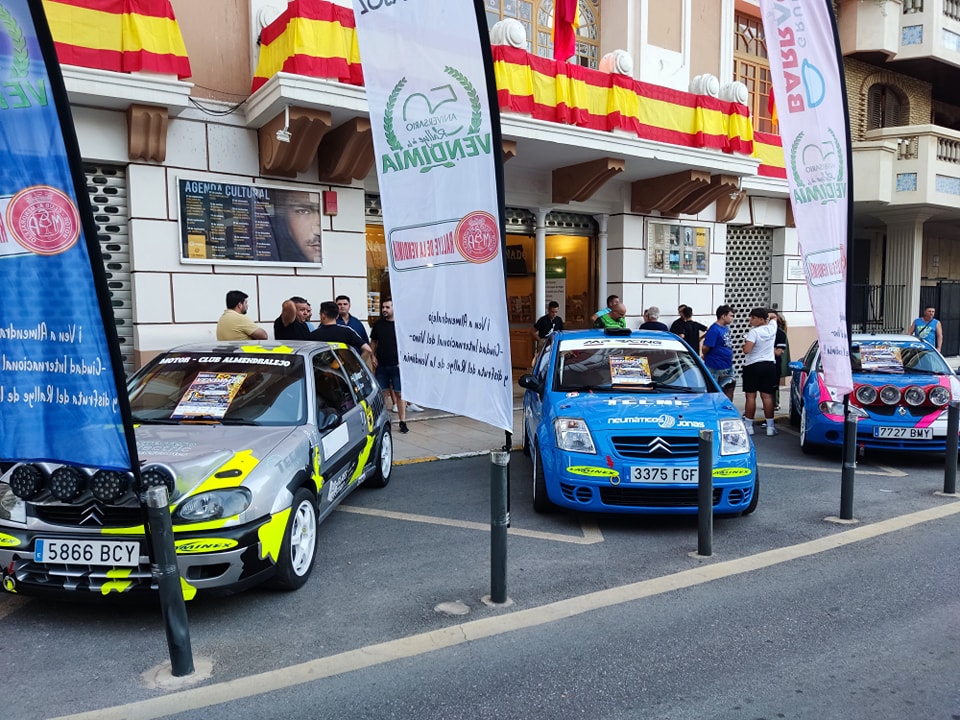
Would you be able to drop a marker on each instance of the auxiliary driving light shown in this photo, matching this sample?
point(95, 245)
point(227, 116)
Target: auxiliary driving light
point(914, 396)
point(26, 481)
point(109, 485)
point(939, 395)
point(866, 394)
point(66, 483)
point(890, 394)
point(157, 475)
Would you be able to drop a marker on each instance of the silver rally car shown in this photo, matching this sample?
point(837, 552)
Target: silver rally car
point(256, 442)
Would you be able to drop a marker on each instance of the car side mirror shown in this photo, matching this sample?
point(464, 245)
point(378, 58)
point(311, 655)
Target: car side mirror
point(796, 365)
point(529, 382)
point(328, 420)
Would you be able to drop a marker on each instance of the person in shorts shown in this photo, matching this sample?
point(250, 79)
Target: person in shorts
point(760, 371)
point(717, 349)
point(383, 339)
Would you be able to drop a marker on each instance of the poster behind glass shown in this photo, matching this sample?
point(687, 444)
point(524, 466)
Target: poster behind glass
point(243, 224)
point(678, 249)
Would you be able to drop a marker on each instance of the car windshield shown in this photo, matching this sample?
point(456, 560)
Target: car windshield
point(242, 389)
point(623, 364)
point(897, 358)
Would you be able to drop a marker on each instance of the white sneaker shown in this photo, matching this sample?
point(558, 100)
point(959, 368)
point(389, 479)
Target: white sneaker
point(393, 409)
point(771, 431)
point(414, 408)
point(749, 424)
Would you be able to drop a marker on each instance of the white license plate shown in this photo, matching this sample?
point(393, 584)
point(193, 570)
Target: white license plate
point(640, 474)
point(913, 433)
point(112, 553)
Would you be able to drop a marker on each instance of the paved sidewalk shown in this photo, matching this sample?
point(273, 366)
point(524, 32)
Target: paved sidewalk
point(437, 435)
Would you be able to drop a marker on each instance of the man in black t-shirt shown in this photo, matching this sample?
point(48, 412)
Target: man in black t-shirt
point(688, 328)
point(292, 323)
point(329, 331)
point(383, 338)
point(547, 324)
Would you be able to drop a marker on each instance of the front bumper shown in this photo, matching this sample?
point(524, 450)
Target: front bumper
point(606, 489)
point(248, 556)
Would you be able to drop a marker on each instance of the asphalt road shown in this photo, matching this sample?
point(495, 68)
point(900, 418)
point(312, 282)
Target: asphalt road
point(610, 617)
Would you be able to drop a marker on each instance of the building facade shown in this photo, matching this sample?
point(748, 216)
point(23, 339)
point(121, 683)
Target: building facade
point(634, 199)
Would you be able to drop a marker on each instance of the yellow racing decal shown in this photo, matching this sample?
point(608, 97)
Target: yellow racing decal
point(132, 530)
point(9, 540)
point(282, 350)
point(203, 545)
point(368, 445)
point(730, 472)
point(593, 471)
point(188, 590)
point(317, 476)
point(236, 468)
point(119, 581)
point(271, 535)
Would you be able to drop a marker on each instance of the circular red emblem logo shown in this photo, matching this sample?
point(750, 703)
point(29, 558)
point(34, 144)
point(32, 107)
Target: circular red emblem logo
point(43, 220)
point(477, 236)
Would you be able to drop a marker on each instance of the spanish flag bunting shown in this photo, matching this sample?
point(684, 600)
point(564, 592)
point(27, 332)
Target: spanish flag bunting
point(771, 107)
point(313, 38)
point(566, 18)
point(118, 35)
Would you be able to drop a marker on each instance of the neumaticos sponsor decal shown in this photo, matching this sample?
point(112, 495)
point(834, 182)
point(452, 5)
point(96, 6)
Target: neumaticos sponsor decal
point(730, 472)
point(8, 540)
point(592, 471)
point(187, 547)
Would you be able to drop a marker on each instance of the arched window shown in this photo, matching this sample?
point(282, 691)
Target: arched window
point(752, 68)
point(884, 107)
point(536, 16)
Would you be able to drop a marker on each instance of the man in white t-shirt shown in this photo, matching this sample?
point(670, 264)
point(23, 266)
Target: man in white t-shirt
point(760, 371)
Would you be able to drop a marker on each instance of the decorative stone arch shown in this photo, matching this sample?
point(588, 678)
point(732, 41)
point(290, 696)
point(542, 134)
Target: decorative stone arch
point(888, 79)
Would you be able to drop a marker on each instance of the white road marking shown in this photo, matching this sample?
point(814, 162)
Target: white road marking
point(381, 653)
point(886, 471)
point(591, 532)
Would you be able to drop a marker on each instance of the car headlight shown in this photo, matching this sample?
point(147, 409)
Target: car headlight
point(213, 505)
point(836, 408)
point(573, 435)
point(12, 508)
point(733, 437)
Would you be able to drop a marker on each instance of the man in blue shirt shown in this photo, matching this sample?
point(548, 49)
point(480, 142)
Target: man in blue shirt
point(345, 318)
point(928, 328)
point(717, 347)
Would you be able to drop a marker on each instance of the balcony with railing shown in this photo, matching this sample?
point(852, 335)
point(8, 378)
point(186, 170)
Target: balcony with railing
point(904, 29)
point(915, 165)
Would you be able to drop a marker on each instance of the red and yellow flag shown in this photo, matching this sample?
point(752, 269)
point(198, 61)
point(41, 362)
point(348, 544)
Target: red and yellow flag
point(318, 39)
point(566, 18)
point(118, 35)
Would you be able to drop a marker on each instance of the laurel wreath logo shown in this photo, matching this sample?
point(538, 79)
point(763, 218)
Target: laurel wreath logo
point(793, 154)
point(476, 117)
point(21, 59)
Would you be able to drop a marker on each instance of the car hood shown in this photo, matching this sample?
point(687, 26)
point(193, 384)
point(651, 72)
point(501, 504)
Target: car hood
point(196, 451)
point(677, 412)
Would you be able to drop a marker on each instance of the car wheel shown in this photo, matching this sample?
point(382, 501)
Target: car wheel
point(755, 498)
point(299, 547)
point(525, 442)
point(381, 476)
point(794, 413)
point(805, 445)
point(541, 503)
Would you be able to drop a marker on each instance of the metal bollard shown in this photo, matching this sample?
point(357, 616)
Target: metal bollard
point(848, 470)
point(705, 494)
point(950, 469)
point(499, 520)
point(167, 573)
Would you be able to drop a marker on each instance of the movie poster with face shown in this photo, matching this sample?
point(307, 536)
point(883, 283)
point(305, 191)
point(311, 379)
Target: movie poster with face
point(243, 224)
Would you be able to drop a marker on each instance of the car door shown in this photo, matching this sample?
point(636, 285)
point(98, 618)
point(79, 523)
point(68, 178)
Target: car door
point(533, 401)
point(341, 441)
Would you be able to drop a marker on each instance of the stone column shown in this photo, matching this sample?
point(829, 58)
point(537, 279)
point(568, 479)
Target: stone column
point(602, 221)
point(902, 267)
point(540, 253)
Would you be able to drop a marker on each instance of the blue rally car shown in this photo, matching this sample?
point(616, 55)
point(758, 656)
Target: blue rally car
point(612, 419)
point(901, 389)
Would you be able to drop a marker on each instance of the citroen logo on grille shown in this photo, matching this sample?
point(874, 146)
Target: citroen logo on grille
point(92, 514)
point(658, 444)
